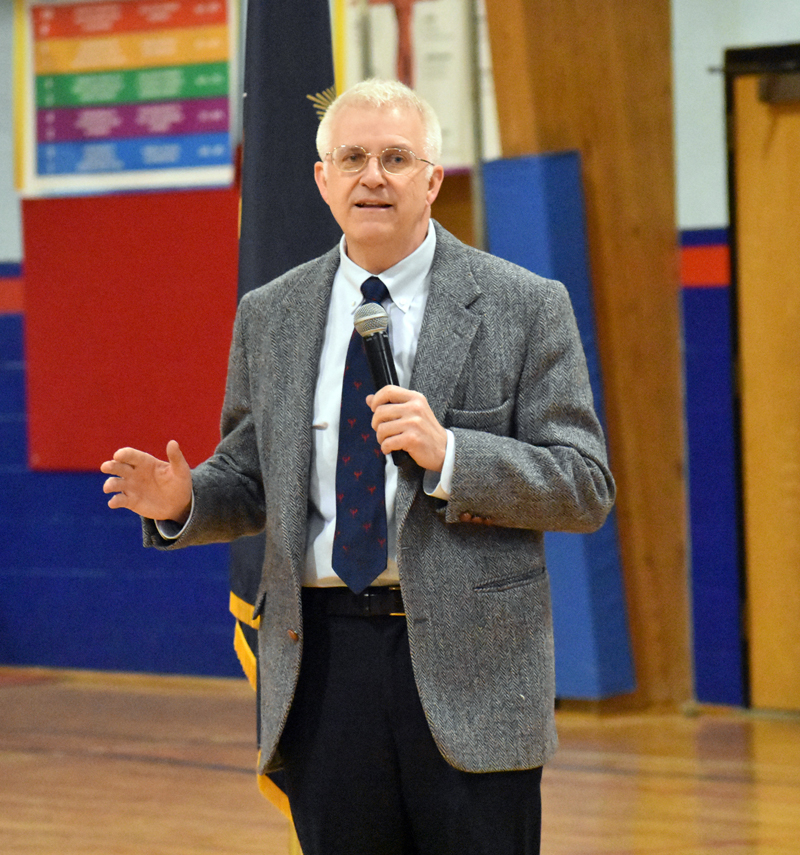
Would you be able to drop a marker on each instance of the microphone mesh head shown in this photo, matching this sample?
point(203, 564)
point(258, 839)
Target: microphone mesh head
point(370, 318)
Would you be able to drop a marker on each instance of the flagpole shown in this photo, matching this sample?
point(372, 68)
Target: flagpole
point(476, 87)
point(339, 41)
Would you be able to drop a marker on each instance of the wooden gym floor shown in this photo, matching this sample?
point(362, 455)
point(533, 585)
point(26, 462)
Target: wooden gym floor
point(118, 764)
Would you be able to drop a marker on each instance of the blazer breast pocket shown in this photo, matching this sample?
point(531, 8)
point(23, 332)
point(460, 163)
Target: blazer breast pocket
point(496, 420)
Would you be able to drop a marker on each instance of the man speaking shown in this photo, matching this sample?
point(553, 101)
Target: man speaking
point(405, 646)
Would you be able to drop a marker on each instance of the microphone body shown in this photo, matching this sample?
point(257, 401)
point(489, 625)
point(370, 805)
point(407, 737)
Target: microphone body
point(371, 321)
point(381, 361)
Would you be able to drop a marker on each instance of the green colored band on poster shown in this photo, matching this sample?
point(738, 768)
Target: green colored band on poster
point(127, 87)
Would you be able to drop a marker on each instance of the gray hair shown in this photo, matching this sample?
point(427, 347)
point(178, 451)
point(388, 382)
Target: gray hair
point(383, 93)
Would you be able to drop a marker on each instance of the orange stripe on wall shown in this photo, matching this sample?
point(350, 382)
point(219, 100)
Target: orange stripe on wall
point(11, 294)
point(707, 266)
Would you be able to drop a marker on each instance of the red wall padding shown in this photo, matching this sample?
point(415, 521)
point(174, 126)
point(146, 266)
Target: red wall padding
point(129, 306)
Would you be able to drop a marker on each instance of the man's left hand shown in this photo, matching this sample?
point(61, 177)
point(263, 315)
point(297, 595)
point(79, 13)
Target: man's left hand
point(403, 419)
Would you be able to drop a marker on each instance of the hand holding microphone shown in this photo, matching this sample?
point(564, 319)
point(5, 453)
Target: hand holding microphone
point(403, 416)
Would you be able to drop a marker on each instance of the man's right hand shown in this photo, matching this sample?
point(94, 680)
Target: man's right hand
point(153, 488)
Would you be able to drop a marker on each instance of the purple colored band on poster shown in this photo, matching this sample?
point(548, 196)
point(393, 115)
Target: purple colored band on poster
point(162, 118)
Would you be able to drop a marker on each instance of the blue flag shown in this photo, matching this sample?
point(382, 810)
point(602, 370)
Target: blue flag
point(288, 78)
point(288, 81)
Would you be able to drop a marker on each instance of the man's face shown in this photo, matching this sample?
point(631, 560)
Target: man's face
point(384, 217)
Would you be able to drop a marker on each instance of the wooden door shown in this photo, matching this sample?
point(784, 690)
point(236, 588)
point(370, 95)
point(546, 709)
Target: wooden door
point(766, 184)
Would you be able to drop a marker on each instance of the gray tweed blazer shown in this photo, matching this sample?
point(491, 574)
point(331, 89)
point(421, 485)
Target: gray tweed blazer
point(500, 362)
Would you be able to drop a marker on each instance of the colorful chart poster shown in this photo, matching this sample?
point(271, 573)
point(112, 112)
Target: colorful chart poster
point(125, 94)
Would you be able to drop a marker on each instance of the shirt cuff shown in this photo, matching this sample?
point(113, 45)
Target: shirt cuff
point(171, 530)
point(439, 484)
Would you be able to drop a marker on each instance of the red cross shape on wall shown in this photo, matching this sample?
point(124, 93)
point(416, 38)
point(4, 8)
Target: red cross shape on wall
point(403, 10)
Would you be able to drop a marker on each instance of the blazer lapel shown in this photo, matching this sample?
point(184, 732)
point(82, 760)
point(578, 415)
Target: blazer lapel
point(452, 318)
point(296, 342)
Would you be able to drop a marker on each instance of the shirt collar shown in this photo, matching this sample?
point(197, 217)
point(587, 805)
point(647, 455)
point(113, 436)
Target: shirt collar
point(404, 280)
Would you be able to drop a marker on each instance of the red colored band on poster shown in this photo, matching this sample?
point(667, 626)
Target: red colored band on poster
point(96, 19)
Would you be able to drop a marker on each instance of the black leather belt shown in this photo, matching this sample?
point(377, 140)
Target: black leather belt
point(378, 600)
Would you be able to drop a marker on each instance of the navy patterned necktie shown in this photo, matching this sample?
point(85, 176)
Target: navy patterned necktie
point(359, 545)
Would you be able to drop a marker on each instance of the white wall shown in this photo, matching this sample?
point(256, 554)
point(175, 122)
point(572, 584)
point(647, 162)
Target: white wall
point(10, 233)
point(702, 30)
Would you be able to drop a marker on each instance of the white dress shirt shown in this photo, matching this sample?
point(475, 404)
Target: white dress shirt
point(408, 283)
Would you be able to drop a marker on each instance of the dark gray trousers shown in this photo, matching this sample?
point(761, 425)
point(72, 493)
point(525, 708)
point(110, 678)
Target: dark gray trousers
point(362, 772)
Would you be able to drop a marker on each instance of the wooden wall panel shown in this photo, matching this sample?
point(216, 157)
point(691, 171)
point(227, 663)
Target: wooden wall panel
point(766, 143)
point(453, 206)
point(596, 77)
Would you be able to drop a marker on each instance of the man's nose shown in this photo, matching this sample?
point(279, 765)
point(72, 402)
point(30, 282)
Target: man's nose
point(373, 173)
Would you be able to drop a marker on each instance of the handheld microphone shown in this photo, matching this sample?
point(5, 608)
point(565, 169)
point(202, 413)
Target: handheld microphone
point(371, 323)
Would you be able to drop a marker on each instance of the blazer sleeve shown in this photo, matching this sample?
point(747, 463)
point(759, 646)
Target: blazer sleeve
point(538, 461)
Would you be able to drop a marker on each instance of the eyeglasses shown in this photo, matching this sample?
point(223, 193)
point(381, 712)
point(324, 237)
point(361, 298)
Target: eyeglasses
point(394, 161)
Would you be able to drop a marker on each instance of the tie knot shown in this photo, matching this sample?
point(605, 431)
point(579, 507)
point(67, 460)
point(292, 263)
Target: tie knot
point(374, 290)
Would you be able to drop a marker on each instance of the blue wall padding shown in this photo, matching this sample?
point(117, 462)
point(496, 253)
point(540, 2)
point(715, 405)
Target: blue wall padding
point(705, 237)
point(77, 590)
point(535, 218)
point(713, 497)
point(10, 270)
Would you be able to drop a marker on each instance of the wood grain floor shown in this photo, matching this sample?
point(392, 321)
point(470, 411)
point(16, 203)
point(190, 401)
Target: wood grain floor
point(118, 764)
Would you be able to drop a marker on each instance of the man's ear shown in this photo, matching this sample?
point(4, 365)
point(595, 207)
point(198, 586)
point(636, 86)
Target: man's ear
point(321, 179)
point(434, 183)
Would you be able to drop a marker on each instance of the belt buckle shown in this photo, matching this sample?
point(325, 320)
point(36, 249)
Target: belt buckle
point(396, 614)
point(368, 598)
point(371, 602)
